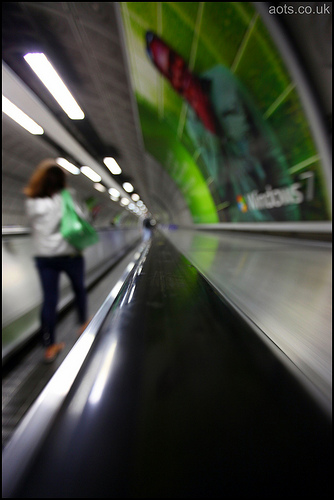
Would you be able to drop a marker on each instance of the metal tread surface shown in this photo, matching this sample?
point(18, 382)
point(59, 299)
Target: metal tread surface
point(282, 286)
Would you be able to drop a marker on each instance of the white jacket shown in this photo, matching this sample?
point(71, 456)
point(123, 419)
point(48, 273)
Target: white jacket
point(45, 215)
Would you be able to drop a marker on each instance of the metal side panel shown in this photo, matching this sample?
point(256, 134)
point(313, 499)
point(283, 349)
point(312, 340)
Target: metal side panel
point(282, 286)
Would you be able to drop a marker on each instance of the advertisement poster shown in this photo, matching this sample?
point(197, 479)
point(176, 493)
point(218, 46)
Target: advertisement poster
point(218, 109)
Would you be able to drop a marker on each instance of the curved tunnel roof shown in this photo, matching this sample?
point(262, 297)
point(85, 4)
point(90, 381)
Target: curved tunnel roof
point(193, 100)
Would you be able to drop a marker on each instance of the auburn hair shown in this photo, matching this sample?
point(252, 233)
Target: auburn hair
point(47, 180)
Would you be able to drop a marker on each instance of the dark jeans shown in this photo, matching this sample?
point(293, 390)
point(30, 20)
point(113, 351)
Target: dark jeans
point(49, 269)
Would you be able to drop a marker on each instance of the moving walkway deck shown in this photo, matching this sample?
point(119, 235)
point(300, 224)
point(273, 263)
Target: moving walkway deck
point(177, 397)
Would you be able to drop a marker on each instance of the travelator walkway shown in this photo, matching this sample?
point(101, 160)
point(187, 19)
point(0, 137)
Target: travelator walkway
point(24, 373)
point(170, 393)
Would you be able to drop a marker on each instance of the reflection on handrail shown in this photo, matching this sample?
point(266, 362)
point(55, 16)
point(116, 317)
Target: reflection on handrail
point(20, 230)
point(15, 230)
point(316, 227)
point(102, 377)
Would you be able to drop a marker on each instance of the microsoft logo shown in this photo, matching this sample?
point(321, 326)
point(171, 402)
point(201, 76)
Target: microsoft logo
point(242, 205)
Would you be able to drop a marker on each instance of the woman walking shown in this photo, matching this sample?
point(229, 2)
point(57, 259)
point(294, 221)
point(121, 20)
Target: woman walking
point(53, 254)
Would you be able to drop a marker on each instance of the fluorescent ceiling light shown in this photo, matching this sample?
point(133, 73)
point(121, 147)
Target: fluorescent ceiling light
point(99, 187)
point(128, 187)
point(48, 75)
point(114, 192)
point(21, 118)
point(135, 197)
point(68, 166)
point(124, 201)
point(91, 174)
point(112, 164)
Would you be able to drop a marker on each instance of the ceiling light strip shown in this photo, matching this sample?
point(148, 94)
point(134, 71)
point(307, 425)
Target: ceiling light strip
point(49, 76)
point(17, 91)
point(20, 117)
point(112, 165)
point(90, 173)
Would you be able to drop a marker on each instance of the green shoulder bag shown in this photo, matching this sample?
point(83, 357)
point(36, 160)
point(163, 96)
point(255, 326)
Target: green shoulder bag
point(76, 230)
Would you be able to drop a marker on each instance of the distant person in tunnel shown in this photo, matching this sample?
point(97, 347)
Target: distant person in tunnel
point(148, 226)
point(53, 254)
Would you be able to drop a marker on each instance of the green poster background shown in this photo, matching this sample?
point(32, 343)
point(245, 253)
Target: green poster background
point(266, 166)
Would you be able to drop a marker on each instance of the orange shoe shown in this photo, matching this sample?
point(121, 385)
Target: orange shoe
point(52, 352)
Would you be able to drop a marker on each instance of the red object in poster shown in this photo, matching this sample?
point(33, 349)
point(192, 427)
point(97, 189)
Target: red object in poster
point(190, 86)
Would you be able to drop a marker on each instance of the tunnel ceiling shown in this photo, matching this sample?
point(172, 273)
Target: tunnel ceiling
point(171, 152)
point(83, 40)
